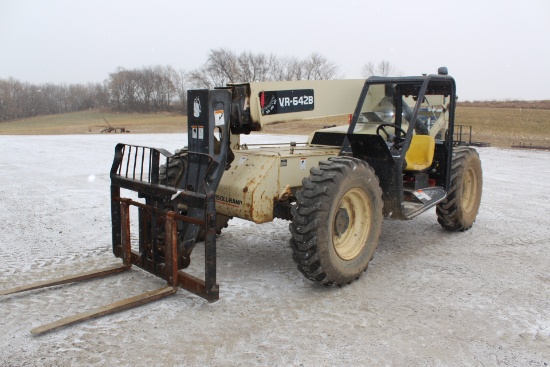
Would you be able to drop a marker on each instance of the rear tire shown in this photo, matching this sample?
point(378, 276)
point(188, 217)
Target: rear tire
point(336, 221)
point(459, 210)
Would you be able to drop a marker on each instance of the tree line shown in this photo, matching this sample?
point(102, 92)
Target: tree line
point(20, 100)
point(158, 88)
point(224, 66)
point(163, 88)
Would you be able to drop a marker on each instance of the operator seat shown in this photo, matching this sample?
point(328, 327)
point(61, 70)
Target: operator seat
point(420, 154)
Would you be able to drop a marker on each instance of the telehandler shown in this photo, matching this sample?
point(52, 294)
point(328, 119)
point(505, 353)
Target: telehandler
point(395, 160)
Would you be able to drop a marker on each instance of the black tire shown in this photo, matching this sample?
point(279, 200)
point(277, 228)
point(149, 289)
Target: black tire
point(173, 174)
point(459, 210)
point(337, 221)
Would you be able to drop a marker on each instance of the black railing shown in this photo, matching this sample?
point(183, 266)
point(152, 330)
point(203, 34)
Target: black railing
point(139, 163)
point(460, 134)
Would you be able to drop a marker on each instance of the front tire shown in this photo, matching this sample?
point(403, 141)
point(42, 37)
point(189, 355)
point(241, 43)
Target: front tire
point(459, 210)
point(336, 221)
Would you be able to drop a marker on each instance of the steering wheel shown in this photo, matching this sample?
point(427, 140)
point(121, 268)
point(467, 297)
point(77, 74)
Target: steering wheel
point(396, 142)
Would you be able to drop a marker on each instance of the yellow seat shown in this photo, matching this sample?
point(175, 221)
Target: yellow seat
point(421, 153)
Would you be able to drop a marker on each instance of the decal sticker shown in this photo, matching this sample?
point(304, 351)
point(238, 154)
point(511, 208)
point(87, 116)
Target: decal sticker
point(218, 118)
point(286, 101)
point(201, 132)
point(283, 162)
point(303, 163)
point(422, 195)
point(271, 106)
point(194, 131)
point(197, 107)
point(228, 200)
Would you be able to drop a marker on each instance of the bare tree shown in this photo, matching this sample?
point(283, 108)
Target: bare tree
point(224, 66)
point(199, 78)
point(11, 92)
point(163, 88)
point(318, 67)
point(142, 90)
point(220, 69)
point(122, 89)
point(180, 80)
point(287, 68)
point(255, 67)
point(100, 93)
point(146, 87)
point(383, 68)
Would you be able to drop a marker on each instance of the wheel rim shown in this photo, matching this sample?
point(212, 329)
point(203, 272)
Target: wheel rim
point(351, 224)
point(469, 190)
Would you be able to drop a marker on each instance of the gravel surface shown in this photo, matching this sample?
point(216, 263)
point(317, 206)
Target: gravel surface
point(429, 297)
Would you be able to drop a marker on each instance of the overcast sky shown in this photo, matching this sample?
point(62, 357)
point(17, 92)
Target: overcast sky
point(494, 49)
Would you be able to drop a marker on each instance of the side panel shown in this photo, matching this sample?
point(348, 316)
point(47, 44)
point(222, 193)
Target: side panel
point(249, 187)
point(259, 177)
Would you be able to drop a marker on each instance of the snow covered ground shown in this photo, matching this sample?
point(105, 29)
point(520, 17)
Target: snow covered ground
point(429, 298)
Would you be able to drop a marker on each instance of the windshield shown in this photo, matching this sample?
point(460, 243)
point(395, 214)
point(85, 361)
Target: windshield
point(391, 103)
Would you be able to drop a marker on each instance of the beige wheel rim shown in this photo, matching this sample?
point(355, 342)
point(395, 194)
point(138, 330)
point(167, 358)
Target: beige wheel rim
point(469, 190)
point(351, 224)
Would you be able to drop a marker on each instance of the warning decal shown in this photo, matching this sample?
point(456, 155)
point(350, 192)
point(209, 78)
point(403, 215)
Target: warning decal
point(218, 117)
point(303, 163)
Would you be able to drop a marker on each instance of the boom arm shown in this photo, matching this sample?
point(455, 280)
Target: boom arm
point(258, 104)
